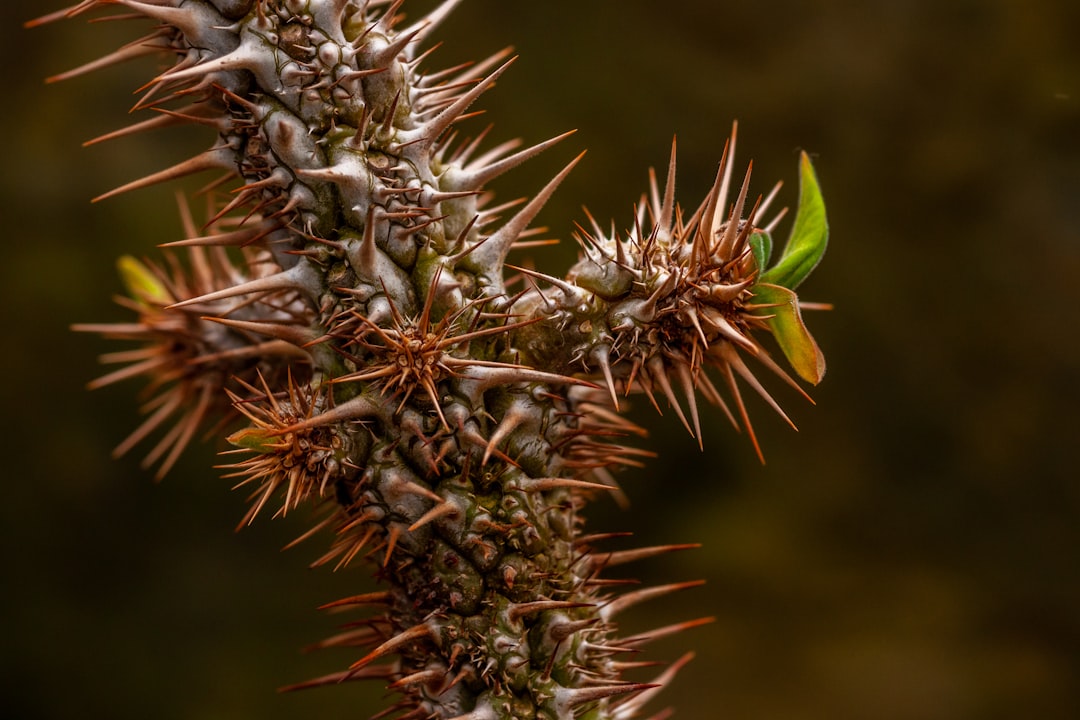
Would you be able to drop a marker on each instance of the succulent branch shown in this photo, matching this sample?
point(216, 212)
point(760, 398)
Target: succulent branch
point(345, 309)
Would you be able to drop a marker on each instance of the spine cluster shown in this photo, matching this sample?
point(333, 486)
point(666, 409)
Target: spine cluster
point(344, 306)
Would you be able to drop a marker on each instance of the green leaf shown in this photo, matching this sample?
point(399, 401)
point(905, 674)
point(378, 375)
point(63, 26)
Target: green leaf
point(255, 439)
point(142, 284)
point(761, 246)
point(786, 323)
point(809, 234)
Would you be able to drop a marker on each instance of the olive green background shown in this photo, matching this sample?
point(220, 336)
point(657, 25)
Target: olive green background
point(913, 553)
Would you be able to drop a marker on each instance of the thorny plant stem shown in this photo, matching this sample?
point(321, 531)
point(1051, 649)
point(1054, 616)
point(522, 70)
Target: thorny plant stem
point(344, 302)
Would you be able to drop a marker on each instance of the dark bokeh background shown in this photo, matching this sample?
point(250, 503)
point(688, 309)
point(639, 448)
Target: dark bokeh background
point(912, 554)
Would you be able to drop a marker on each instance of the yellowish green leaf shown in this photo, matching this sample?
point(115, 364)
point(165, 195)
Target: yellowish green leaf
point(142, 284)
point(254, 439)
point(786, 323)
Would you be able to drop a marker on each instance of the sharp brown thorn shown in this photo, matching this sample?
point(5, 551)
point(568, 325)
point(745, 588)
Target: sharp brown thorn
point(520, 610)
point(572, 697)
point(533, 485)
point(661, 632)
point(500, 241)
point(391, 543)
point(733, 387)
point(445, 508)
point(727, 245)
point(414, 633)
point(733, 359)
point(433, 129)
point(561, 631)
point(382, 597)
point(658, 373)
point(299, 336)
point(382, 673)
point(422, 676)
point(629, 707)
point(666, 209)
point(621, 557)
point(511, 420)
point(219, 157)
point(687, 381)
point(635, 597)
point(130, 51)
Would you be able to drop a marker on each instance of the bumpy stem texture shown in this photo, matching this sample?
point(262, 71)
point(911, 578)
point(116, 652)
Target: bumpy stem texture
point(346, 302)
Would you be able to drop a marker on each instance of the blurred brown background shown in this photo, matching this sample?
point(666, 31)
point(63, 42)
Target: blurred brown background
point(913, 553)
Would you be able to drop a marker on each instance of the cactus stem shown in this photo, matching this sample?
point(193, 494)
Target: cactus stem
point(448, 415)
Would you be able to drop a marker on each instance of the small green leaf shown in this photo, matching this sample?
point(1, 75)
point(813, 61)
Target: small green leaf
point(141, 282)
point(761, 246)
point(786, 323)
point(809, 235)
point(254, 439)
